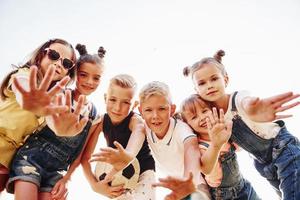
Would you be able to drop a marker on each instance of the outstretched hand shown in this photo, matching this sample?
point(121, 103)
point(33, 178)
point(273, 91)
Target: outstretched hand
point(266, 110)
point(119, 158)
point(180, 187)
point(67, 123)
point(219, 130)
point(38, 100)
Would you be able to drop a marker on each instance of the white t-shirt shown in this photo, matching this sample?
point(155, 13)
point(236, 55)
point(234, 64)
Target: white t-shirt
point(168, 152)
point(265, 130)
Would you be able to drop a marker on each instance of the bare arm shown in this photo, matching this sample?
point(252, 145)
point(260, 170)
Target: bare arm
point(267, 109)
point(120, 157)
point(219, 132)
point(191, 159)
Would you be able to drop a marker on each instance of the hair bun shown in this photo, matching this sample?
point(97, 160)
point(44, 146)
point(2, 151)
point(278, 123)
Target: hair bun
point(186, 71)
point(218, 55)
point(81, 49)
point(101, 52)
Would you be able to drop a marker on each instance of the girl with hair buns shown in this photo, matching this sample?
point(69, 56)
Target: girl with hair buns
point(38, 166)
point(276, 152)
point(26, 96)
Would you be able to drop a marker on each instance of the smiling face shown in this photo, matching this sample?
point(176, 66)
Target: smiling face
point(88, 78)
point(118, 102)
point(209, 82)
point(196, 118)
point(46, 62)
point(156, 111)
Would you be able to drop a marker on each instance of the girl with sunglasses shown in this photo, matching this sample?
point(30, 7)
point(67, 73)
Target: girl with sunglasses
point(37, 168)
point(22, 111)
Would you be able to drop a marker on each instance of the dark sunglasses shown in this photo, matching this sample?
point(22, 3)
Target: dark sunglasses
point(54, 55)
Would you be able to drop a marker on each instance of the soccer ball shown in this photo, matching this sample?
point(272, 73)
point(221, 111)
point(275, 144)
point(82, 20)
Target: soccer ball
point(128, 177)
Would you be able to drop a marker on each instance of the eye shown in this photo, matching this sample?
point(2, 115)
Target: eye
point(82, 75)
point(112, 100)
point(215, 78)
point(204, 111)
point(162, 108)
point(147, 110)
point(201, 83)
point(96, 78)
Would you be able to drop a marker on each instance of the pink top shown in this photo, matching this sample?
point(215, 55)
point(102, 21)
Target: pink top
point(215, 177)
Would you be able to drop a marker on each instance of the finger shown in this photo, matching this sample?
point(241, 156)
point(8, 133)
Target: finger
point(32, 77)
point(211, 118)
point(119, 146)
point(282, 116)
point(208, 123)
point(55, 189)
point(18, 86)
point(79, 105)
point(108, 150)
point(280, 97)
point(47, 79)
point(51, 110)
point(61, 192)
point(59, 86)
point(215, 114)
point(283, 108)
point(222, 116)
point(278, 103)
point(68, 99)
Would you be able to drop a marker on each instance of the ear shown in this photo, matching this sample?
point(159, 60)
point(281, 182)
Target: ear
point(173, 109)
point(226, 79)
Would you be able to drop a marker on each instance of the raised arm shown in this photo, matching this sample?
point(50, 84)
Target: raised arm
point(67, 123)
point(219, 132)
point(120, 157)
point(100, 187)
point(267, 109)
point(37, 98)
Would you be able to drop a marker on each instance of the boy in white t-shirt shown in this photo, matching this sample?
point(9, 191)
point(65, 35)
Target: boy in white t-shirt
point(172, 142)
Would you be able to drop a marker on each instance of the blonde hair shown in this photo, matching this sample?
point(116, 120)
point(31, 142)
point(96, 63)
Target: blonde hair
point(155, 88)
point(189, 105)
point(123, 81)
point(216, 60)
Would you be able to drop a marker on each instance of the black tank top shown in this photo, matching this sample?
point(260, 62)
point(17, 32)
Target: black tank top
point(121, 133)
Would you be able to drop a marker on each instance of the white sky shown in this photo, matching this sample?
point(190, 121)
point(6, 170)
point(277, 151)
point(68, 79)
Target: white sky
point(154, 40)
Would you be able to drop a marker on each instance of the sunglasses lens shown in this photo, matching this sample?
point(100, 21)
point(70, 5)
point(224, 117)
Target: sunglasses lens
point(67, 63)
point(53, 55)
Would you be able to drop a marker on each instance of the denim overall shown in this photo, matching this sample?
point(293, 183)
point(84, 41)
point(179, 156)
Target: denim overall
point(233, 186)
point(276, 159)
point(44, 156)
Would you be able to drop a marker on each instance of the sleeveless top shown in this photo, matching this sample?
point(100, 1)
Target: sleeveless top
point(121, 133)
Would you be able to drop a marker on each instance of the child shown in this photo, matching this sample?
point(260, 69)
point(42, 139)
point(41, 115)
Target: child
point(21, 110)
point(276, 151)
point(225, 180)
point(122, 125)
point(38, 166)
point(173, 144)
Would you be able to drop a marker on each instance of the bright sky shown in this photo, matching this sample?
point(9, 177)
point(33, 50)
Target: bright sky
point(154, 40)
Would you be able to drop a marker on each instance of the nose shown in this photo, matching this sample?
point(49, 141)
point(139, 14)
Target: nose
point(154, 114)
point(89, 81)
point(117, 107)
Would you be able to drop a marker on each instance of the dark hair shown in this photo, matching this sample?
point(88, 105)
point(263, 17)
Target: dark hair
point(216, 59)
point(88, 58)
point(36, 58)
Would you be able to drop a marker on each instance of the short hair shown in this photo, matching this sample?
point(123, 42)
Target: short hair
point(123, 81)
point(155, 88)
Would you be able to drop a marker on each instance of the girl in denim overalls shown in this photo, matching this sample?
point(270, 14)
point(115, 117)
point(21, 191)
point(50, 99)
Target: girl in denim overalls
point(224, 179)
point(24, 102)
point(276, 151)
point(38, 166)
